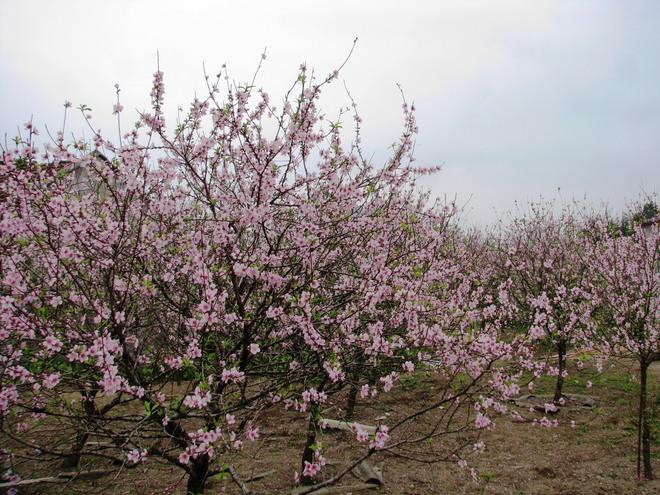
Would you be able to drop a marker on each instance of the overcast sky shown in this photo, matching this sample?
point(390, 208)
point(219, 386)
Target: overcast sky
point(515, 98)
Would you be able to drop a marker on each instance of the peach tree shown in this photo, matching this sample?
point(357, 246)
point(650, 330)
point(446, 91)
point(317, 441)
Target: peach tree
point(158, 302)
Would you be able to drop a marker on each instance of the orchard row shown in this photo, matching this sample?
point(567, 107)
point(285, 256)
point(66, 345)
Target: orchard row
point(252, 255)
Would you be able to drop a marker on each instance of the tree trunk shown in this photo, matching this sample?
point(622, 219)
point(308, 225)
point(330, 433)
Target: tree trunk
point(91, 412)
point(351, 400)
point(373, 376)
point(643, 428)
point(561, 364)
point(198, 472)
point(73, 459)
point(308, 453)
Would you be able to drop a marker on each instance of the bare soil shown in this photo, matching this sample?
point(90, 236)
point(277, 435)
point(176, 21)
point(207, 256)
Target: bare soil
point(595, 456)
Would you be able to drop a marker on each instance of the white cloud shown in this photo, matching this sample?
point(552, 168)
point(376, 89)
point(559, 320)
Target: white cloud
point(515, 97)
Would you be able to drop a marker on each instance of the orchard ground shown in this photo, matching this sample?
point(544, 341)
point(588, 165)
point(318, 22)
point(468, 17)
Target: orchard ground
point(596, 455)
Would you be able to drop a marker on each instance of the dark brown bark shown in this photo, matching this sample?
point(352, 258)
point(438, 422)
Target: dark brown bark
point(561, 365)
point(308, 453)
point(351, 400)
point(91, 411)
point(199, 470)
point(643, 427)
point(74, 457)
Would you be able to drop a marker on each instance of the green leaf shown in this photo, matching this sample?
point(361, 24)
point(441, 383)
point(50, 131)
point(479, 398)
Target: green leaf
point(224, 473)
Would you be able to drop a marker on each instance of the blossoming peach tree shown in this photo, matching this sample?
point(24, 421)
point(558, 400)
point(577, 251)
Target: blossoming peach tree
point(625, 287)
point(158, 302)
point(542, 256)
